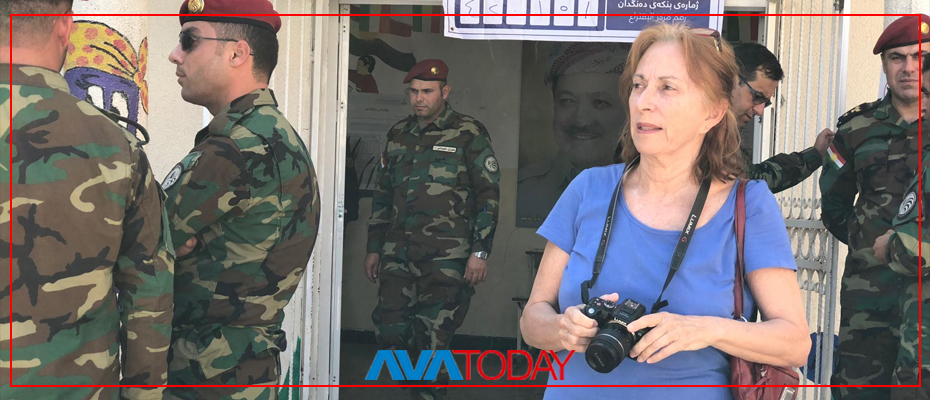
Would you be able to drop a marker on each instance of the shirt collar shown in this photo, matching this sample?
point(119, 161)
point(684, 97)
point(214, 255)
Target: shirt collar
point(887, 112)
point(223, 122)
point(442, 121)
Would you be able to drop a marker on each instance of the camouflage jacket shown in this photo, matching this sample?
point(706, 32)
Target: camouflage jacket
point(784, 171)
point(903, 244)
point(437, 195)
point(86, 219)
point(248, 193)
point(875, 155)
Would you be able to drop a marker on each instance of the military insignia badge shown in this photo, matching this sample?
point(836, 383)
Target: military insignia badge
point(195, 6)
point(924, 28)
point(490, 163)
point(172, 177)
point(909, 201)
point(434, 70)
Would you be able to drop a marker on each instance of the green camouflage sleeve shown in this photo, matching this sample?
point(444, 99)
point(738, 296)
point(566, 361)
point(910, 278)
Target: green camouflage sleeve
point(484, 171)
point(838, 187)
point(784, 171)
point(207, 184)
point(144, 276)
point(902, 249)
point(382, 199)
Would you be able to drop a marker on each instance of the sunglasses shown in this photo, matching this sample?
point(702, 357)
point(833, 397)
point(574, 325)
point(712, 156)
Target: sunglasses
point(189, 40)
point(757, 98)
point(709, 33)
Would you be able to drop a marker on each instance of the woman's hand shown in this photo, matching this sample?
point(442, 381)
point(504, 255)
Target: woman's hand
point(670, 334)
point(576, 330)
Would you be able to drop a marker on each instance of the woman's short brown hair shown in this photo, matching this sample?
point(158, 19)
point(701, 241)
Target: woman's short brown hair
point(715, 73)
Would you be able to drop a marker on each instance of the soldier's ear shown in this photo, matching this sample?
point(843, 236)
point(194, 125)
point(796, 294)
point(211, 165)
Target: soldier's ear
point(446, 89)
point(62, 29)
point(241, 53)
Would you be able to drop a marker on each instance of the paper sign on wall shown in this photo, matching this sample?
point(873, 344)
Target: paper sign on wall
point(501, 19)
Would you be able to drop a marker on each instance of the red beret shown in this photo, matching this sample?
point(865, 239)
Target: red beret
point(904, 32)
point(231, 10)
point(428, 70)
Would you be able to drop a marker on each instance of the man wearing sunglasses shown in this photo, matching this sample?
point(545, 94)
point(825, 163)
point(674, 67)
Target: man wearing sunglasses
point(86, 218)
point(875, 155)
point(247, 193)
point(760, 73)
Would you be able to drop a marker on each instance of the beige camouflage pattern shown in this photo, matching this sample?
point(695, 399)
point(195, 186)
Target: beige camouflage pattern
point(92, 277)
point(437, 194)
point(248, 192)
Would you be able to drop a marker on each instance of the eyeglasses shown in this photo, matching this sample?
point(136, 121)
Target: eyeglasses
point(709, 33)
point(187, 40)
point(757, 98)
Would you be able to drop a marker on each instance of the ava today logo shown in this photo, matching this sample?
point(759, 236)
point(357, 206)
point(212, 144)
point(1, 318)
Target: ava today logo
point(401, 367)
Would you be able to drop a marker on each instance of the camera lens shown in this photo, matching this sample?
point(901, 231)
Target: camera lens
point(607, 349)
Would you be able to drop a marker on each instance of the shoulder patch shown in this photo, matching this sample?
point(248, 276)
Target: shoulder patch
point(909, 201)
point(490, 164)
point(172, 176)
point(857, 111)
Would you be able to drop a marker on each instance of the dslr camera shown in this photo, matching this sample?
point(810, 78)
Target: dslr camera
point(613, 341)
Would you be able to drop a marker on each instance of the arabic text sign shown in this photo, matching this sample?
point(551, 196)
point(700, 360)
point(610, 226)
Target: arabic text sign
point(500, 19)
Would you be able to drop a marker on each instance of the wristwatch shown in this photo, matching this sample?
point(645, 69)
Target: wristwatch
point(481, 254)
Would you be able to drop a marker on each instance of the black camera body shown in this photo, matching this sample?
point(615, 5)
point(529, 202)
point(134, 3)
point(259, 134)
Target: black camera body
point(613, 341)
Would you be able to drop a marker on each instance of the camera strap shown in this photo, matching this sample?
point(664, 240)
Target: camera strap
point(680, 249)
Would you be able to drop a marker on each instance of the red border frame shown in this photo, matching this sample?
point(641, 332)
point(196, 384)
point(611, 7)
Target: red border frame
point(920, 202)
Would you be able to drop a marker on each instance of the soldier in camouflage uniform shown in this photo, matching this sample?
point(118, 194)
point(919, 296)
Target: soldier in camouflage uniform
point(247, 192)
point(875, 155)
point(86, 219)
point(434, 213)
point(760, 73)
point(906, 250)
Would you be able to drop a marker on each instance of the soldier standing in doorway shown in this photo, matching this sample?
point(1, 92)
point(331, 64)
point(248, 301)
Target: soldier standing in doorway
point(875, 155)
point(434, 212)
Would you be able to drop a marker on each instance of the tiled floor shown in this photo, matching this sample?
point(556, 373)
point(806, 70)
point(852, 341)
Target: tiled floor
point(357, 358)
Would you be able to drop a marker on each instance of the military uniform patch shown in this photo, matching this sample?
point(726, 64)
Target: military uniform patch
point(907, 204)
point(172, 177)
point(490, 163)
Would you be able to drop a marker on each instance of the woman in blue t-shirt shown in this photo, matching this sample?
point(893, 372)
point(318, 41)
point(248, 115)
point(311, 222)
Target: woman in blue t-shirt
point(680, 131)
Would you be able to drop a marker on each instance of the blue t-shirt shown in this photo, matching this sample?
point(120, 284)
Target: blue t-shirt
point(636, 266)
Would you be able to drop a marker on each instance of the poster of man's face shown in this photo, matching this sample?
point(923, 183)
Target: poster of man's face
point(571, 118)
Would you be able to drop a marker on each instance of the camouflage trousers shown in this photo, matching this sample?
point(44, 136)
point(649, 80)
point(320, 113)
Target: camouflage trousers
point(420, 305)
point(254, 371)
point(908, 364)
point(878, 341)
